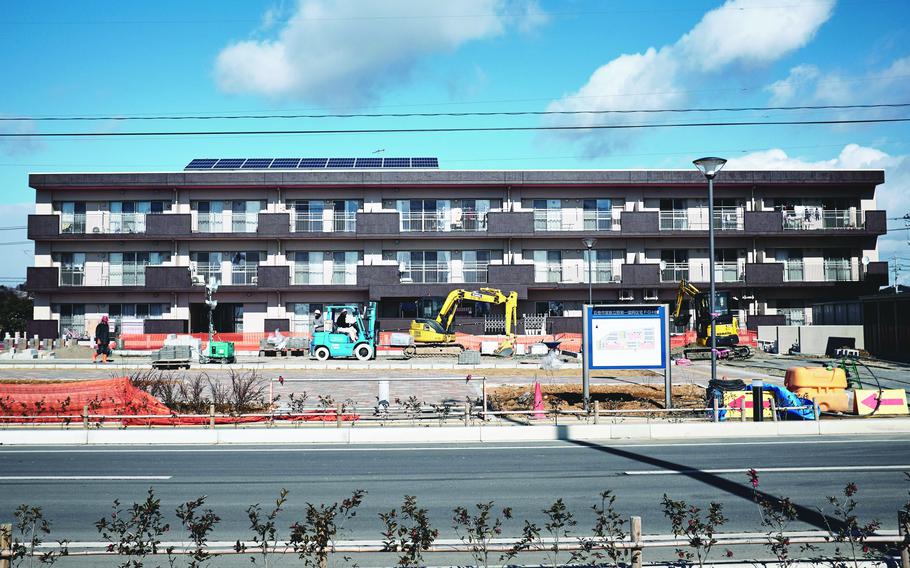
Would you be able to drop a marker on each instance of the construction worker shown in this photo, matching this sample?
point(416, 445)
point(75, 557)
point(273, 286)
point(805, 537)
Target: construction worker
point(102, 340)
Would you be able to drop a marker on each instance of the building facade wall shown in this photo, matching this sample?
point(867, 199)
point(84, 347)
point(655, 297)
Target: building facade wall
point(282, 242)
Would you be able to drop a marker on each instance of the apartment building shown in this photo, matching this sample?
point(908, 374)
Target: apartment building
point(286, 236)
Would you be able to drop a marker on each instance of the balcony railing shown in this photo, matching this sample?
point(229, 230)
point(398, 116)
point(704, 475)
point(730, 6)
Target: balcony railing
point(725, 219)
point(244, 275)
point(72, 276)
point(575, 220)
point(342, 275)
point(425, 272)
point(126, 275)
point(550, 272)
point(601, 273)
point(206, 272)
point(821, 270)
point(304, 222)
point(674, 272)
point(102, 222)
point(434, 222)
point(816, 218)
point(227, 222)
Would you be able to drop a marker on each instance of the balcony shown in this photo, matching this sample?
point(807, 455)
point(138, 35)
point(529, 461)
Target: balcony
point(550, 272)
point(124, 275)
point(244, 274)
point(102, 222)
point(567, 220)
point(328, 222)
point(72, 276)
point(449, 221)
point(226, 222)
point(816, 218)
point(443, 272)
point(674, 271)
point(725, 219)
point(821, 270)
point(342, 275)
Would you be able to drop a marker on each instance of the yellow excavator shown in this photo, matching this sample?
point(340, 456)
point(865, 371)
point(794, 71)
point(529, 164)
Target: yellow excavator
point(726, 325)
point(437, 336)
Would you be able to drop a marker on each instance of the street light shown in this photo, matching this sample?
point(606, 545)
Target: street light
point(589, 244)
point(709, 167)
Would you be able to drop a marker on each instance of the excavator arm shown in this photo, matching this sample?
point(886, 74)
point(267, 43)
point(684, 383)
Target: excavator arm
point(446, 316)
point(686, 288)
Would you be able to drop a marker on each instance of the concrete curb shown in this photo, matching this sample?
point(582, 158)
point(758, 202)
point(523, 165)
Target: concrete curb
point(448, 434)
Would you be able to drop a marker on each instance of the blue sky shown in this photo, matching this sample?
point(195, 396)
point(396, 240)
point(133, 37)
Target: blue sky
point(342, 56)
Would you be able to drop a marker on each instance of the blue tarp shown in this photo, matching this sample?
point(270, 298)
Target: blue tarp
point(785, 398)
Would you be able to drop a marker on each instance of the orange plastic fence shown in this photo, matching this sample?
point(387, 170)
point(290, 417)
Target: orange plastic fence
point(67, 400)
point(151, 341)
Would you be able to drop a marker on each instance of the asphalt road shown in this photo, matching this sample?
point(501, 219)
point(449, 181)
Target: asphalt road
point(526, 477)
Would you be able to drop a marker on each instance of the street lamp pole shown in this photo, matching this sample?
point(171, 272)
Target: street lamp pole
point(709, 168)
point(589, 245)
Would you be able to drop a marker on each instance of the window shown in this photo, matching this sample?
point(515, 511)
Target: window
point(674, 215)
point(207, 266)
point(424, 266)
point(317, 216)
point(602, 265)
point(475, 264)
point(128, 268)
point(675, 265)
point(72, 268)
point(550, 308)
point(72, 320)
point(317, 267)
point(72, 216)
point(245, 267)
point(547, 266)
point(129, 216)
point(793, 264)
point(598, 214)
point(547, 214)
point(303, 321)
point(726, 264)
point(237, 216)
point(838, 266)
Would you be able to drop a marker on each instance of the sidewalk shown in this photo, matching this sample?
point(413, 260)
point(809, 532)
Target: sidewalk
point(359, 434)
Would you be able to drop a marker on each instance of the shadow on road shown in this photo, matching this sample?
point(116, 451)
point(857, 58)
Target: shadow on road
point(805, 514)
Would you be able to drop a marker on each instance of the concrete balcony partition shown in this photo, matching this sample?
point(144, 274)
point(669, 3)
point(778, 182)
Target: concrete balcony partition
point(379, 223)
point(168, 278)
point(510, 273)
point(876, 273)
point(377, 274)
point(274, 276)
point(42, 278)
point(641, 274)
point(169, 225)
point(765, 222)
point(273, 224)
point(510, 223)
point(764, 273)
point(875, 222)
point(43, 226)
point(639, 222)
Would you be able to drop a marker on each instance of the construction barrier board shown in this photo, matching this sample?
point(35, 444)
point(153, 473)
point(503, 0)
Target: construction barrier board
point(893, 402)
point(734, 402)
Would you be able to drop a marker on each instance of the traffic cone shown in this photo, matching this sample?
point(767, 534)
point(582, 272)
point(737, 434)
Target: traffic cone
point(538, 403)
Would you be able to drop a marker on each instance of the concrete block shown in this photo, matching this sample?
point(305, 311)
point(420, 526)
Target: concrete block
point(638, 431)
point(868, 426)
point(42, 437)
point(395, 435)
point(154, 436)
point(327, 435)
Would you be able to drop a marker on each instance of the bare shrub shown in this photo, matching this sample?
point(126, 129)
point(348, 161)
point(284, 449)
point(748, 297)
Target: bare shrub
point(246, 391)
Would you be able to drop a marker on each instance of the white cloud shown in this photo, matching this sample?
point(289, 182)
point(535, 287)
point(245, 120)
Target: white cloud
point(806, 83)
point(345, 51)
point(740, 32)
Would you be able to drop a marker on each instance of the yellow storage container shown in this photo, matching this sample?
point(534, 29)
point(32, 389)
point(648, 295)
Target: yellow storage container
point(826, 386)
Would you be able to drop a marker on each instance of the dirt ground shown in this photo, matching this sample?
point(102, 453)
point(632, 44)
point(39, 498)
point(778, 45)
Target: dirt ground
point(610, 397)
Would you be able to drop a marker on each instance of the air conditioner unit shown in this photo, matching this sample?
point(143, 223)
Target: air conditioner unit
point(626, 295)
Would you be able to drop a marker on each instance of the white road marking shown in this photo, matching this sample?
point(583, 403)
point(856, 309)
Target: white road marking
point(449, 448)
point(774, 469)
point(84, 477)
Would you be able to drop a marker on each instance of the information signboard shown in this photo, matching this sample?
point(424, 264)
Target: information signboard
point(626, 336)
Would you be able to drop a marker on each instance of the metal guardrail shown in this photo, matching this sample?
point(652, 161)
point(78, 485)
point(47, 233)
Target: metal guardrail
point(634, 545)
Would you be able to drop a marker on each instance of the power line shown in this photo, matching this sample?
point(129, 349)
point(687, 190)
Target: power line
point(444, 114)
point(16, 243)
point(441, 129)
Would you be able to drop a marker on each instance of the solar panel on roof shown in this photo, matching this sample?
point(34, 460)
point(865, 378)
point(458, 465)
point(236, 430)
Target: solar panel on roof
point(201, 164)
point(229, 164)
point(257, 163)
point(313, 163)
point(425, 162)
point(284, 163)
point(368, 163)
point(340, 163)
point(396, 163)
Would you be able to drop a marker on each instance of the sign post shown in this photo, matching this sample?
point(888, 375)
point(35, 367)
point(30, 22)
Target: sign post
point(626, 336)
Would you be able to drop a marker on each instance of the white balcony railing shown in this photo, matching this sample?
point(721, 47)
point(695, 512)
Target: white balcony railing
point(102, 222)
point(575, 220)
point(126, 275)
point(425, 272)
point(227, 222)
point(674, 272)
point(725, 219)
point(822, 270)
point(244, 274)
point(474, 272)
point(342, 275)
point(439, 221)
point(72, 276)
point(328, 222)
point(816, 218)
point(550, 272)
point(204, 273)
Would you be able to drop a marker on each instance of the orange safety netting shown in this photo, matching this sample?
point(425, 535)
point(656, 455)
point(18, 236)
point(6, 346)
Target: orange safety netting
point(66, 402)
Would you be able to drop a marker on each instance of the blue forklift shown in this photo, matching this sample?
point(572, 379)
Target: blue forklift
point(358, 339)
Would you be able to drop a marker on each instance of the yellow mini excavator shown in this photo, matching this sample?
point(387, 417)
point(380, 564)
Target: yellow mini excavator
point(726, 325)
point(437, 336)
